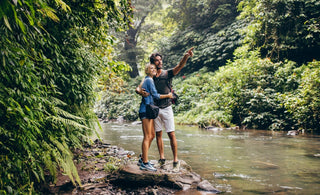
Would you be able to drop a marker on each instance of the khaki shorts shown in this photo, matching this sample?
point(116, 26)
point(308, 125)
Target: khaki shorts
point(165, 120)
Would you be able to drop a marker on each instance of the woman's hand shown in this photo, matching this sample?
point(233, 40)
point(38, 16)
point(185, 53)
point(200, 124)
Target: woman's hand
point(144, 93)
point(170, 95)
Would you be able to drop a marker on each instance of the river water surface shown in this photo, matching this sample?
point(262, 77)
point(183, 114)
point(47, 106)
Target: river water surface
point(236, 161)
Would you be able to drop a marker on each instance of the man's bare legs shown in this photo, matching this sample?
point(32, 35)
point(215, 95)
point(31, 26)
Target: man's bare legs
point(160, 144)
point(173, 143)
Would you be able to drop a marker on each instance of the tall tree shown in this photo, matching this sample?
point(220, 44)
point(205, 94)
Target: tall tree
point(131, 51)
point(130, 46)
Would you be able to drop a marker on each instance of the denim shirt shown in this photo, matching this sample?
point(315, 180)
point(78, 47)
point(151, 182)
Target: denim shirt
point(148, 85)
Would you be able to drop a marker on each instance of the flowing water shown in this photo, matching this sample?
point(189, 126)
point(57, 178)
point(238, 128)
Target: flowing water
point(237, 161)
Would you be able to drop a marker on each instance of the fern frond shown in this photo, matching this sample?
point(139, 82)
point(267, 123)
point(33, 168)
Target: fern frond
point(66, 122)
point(91, 119)
point(63, 5)
point(57, 101)
point(49, 12)
point(64, 113)
point(64, 158)
point(48, 161)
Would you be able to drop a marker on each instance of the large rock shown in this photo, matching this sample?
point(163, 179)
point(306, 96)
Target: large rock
point(97, 178)
point(185, 179)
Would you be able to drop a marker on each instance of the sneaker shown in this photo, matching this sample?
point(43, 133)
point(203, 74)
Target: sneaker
point(161, 162)
point(147, 167)
point(140, 161)
point(176, 166)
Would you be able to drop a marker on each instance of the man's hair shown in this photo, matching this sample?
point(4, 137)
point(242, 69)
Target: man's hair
point(153, 57)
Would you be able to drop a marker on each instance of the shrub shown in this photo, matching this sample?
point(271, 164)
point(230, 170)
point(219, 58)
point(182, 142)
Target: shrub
point(251, 92)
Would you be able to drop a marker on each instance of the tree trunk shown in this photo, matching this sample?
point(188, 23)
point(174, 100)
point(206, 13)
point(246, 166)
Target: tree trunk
point(130, 48)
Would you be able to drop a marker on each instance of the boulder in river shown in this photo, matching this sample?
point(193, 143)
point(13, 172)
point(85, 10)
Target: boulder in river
point(185, 179)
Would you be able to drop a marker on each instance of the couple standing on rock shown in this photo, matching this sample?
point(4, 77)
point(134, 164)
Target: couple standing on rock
point(155, 88)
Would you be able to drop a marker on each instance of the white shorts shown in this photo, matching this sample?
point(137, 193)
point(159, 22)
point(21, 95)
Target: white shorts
point(165, 120)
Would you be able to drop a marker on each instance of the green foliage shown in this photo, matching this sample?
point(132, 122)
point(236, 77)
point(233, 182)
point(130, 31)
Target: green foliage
point(304, 103)
point(120, 102)
point(112, 165)
point(245, 89)
point(138, 41)
point(48, 68)
point(196, 93)
point(203, 14)
point(212, 48)
point(284, 29)
point(252, 92)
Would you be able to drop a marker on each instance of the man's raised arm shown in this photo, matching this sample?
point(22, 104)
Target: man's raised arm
point(183, 61)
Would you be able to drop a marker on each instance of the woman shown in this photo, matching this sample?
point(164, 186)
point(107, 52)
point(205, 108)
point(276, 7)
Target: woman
point(147, 124)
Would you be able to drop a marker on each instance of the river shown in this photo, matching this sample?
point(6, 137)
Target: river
point(236, 161)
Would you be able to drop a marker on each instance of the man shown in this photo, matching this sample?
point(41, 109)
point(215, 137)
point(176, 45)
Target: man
point(165, 119)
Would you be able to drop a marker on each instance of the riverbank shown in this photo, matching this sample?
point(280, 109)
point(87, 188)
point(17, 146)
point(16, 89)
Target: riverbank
point(102, 169)
point(98, 166)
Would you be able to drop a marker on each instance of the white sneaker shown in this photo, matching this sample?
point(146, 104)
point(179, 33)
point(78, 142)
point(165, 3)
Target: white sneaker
point(176, 167)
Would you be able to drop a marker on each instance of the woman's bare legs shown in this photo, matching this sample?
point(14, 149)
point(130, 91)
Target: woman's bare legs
point(148, 136)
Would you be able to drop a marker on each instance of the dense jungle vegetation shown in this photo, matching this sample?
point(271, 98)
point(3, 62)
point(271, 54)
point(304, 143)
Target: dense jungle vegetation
point(52, 53)
point(256, 64)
